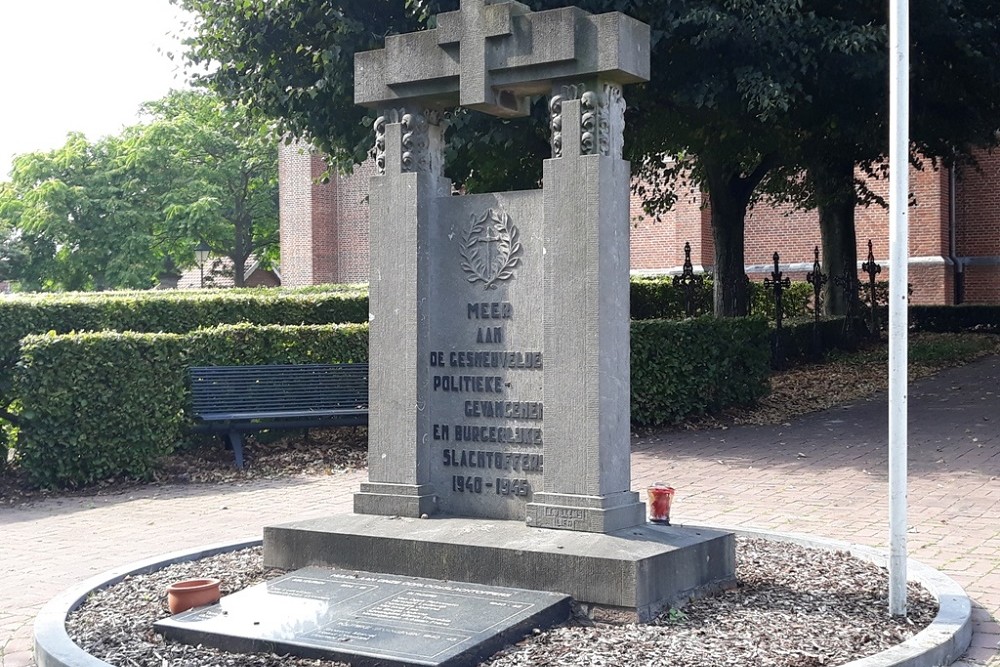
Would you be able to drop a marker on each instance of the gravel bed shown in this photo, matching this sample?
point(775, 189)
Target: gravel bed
point(793, 607)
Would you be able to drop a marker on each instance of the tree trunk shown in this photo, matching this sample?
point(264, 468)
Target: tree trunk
point(242, 250)
point(239, 272)
point(243, 228)
point(729, 192)
point(834, 185)
point(729, 210)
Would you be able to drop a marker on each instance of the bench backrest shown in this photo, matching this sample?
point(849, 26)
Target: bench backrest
point(273, 388)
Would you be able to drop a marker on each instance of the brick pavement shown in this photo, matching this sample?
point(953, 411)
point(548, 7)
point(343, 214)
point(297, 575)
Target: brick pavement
point(824, 474)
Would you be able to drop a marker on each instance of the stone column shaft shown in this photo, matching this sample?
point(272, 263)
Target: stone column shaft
point(587, 476)
point(402, 208)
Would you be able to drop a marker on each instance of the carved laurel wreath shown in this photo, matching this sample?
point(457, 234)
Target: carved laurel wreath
point(478, 266)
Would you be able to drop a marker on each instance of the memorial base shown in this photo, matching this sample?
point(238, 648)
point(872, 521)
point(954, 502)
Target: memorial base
point(395, 499)
point(642, 569)
point(594, 514)
point(369, 619)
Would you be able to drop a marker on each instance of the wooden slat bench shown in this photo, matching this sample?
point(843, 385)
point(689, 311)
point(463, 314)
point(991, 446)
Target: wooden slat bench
point(232, 400)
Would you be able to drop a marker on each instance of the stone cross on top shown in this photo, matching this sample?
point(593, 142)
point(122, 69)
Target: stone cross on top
point(491, 56)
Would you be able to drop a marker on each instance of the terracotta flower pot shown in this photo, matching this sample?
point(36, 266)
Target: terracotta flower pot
point(184, 595)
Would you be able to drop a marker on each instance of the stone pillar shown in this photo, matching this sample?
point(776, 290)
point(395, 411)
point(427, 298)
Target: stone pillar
point(586, 317)
point(402, 208)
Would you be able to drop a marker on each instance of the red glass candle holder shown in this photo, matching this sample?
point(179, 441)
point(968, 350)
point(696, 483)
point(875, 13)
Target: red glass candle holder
point(660, 497)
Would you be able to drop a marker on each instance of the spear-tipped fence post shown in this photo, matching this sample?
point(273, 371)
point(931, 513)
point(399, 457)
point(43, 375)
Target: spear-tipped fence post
point(778, 285)
point(872, 269)
point(848, 282)
point(817, 279)
point(688, 281)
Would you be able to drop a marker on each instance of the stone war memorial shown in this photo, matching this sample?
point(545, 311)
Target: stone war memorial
point(499, 439)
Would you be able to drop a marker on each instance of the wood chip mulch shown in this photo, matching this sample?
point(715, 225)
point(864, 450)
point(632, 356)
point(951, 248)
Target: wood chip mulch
point(793, 607)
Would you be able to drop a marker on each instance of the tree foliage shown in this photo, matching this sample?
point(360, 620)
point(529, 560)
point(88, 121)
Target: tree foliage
point(293, 60)
point(744, 94)
point(955, 101)
point(112, 213)
point(211, 169)
point(69, 223)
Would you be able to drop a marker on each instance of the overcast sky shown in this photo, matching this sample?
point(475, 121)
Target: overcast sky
point(79, 65)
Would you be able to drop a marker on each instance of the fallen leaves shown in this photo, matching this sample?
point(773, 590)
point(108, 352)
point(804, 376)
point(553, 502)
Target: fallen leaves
point(793, 607)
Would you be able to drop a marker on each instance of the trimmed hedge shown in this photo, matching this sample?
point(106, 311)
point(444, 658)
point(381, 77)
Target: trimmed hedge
point(797, 338)
point(697, 366)
point(165, 312)
point(656, 297)
point(102, 405)
point(951, 319)
point(796, 301)
point(173, 311)
point(96, 406)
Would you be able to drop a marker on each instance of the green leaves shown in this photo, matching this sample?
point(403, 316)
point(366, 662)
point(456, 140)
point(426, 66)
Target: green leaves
point(292, 60)
point(656, 297)
point(696, 366)
point(111, 214)
point(108, 404)
point(210, 167)
point(71, 223)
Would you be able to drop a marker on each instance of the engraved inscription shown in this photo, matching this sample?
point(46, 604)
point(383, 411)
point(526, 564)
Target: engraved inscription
point(490, 335)
point(426, 609)
point(489, 384)
point(485, 366)
point(514, 435)
point(564, 517)
point(504, 409)
point(501, 486)
point(491, 359)
point(496, 310)
point(473, 458)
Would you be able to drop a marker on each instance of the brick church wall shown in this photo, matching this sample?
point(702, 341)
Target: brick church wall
point(795, 234)
point(977, 229)
point(303, 224)
point(657, 243)
point(324, 231)
point(324, 226)
point(352, 224)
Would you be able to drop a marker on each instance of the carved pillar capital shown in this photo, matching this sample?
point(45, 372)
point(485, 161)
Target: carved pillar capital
point(415, 147)
point(596, 111)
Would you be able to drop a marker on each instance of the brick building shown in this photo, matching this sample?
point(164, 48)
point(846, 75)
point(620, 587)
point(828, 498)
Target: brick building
point(323, 227)
point(218, 273)
point(954, 231)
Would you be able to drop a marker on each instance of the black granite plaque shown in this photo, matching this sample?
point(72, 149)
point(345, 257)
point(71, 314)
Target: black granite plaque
point(369, 619)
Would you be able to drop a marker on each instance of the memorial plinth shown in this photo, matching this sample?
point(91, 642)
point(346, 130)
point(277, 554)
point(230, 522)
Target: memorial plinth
point(499, 329)
point(640, 570)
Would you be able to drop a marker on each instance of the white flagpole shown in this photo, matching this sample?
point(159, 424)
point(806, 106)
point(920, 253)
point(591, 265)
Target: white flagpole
point(899, 188)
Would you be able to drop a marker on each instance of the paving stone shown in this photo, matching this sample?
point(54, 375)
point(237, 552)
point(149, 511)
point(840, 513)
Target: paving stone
point(72, 533)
